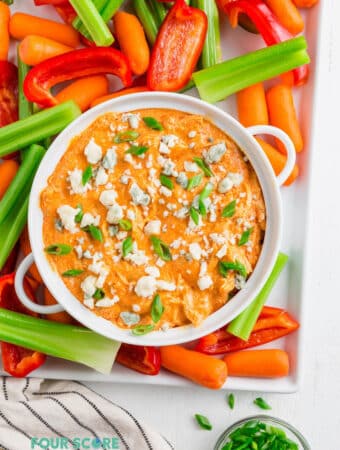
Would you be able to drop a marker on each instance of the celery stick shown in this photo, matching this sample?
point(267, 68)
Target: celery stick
point(144, 14)
point(110, 8)
point(211, 53)
point(22, 179)
point(217, 82)
point(93, 22)
point(39, 126)
point(25, 107)
point(243, 325)
point(57, 339)
point(158, 11)
point(77, 22)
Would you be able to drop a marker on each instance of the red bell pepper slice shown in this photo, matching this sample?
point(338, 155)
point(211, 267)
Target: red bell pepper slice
point(146, 360)
point(272, 324)
point(50, 2)
point(267, 24)
point(177, 48)
point(66, 12)
point(16, 360)
point(74, 64)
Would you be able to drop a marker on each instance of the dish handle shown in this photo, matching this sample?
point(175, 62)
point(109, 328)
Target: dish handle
point(287, 142)
point(19, 288)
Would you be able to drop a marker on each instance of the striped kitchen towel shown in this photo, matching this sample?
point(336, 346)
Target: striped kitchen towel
point(39, 414)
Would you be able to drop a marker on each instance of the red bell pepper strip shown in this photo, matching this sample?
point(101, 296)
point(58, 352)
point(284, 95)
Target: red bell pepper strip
point(75, 64)
point(16, 360)
point(146, 360)
point(66, 12)
point(50, 2)
point(177, 48)
point(267, 24)
point(272, 324)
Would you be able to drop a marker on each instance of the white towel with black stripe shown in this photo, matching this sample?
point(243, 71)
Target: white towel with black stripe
point(41, 414)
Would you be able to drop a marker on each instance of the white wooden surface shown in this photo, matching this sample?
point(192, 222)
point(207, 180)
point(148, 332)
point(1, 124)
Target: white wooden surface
point(315, 408)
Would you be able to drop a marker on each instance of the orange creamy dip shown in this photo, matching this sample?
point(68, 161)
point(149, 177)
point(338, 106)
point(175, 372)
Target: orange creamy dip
point(127, 187)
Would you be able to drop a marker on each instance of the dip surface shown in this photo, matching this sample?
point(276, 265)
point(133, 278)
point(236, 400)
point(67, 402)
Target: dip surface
point(178, 238)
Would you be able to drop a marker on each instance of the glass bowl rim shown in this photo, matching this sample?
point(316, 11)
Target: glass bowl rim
point(264, 418)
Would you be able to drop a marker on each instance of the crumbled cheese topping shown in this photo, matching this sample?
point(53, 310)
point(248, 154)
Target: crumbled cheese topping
point(191, 166)
point(170, 140)
point(101, 177)
point(165, 191)
point(195, 251)
point(93, 152)
point(146, 286)
point(222, 251)
point(132, 119)
point(108, 198)
point(204, 282)
point(67, 216)
point(114, 214)
point(215, 153)
point(231, 180)
point(153, 271)
point(129, 318)
point(89, 219)
point(75, 177)
point(110, 159)
point(88, 286)
point(139, 197)
point(153, 227)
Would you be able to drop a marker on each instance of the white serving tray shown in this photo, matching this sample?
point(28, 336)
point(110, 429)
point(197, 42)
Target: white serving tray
point(289, 291)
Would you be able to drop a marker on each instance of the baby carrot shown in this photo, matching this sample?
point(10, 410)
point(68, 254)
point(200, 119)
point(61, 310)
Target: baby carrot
point(63, 316)
point(4, 32)
point(282, 114)
point(8, 170)
point(22, 25)
point(26, 250)
point(305, 3)
point(84, 91)
point(288, 15)
point(119, 93)
point(132, 41)
point(35, 49)
point(202, 369)
point(252, 106)
point(278, 161)
point(270, 363)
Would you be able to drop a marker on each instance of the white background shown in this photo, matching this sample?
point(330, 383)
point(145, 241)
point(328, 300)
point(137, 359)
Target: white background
point(315, 409)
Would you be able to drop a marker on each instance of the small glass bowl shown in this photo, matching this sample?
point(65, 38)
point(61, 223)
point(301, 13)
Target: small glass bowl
point(291, 432)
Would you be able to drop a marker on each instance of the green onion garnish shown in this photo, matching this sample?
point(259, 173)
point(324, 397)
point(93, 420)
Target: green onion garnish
point(127, 246)
point(125, 136)
point(79, 216)
point(166, 181)
point(229, 210)
point(204, 166)
point(137, 150)
point(140, 330)
point(99, 294)
point(245, 237)
point(87, 175)
point(203, 422)
point(194, 214)
point(125, 224)
point(157, 308)
point(225, 266)
point(58, 249)
point(161, 249)
point(231, 401)
point(261, 403)
point(206, 191)
point(95, 232)
point(194, 181)
point(72, 273)
point(151, 122)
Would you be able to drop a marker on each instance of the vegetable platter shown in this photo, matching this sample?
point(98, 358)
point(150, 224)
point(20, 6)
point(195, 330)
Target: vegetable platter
point(288, 292)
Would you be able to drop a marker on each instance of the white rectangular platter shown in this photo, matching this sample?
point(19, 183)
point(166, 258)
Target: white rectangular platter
point(289, 291)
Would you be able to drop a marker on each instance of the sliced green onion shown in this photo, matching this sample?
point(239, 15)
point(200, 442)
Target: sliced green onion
point(194, 214)
point(125, 136)
point(78, 218)
point(137, 150)
point(69, 342)
point(141, 330)
point(93, 22)
point(99, 294)
point(127, 246)
point(243, 325)
point(37, 127)
point(261, 403)
point(194, 181)
point(245, 237)
point(231, 401)
point(95, 232)
point(225, 266)
point(161, 248)
point(125, 224)
point(72, 273)
point(147, 19)
point(211, 53)
point(23, 179)
point(206, 191)
point(219, 81)
point(229, 210)
point(166, 181)
point(87, 175)
point(157, 308)
point(203, 422)
point(58, 249)
point(151, 122)
point(204, 166)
